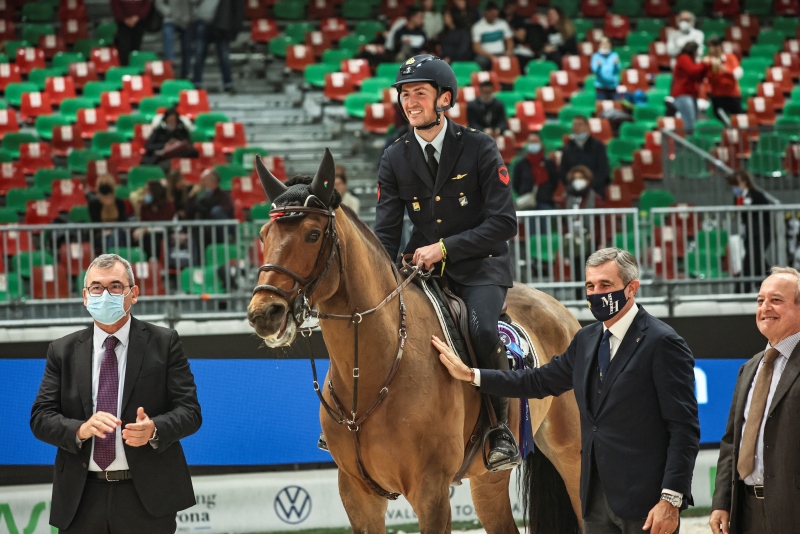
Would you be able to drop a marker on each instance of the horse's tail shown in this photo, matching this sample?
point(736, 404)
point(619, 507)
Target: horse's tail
point(545, 500)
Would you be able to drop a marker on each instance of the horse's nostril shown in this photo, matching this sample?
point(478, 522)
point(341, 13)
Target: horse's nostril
point(274, 312)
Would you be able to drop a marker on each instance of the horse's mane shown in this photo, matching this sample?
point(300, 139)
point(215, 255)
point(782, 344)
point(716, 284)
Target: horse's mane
point(365, 231)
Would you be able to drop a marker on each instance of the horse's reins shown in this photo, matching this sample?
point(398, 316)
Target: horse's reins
point(301, 310)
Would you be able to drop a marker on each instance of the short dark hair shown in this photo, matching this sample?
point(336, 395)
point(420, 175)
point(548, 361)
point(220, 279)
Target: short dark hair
point(412, 10)
point(486, 83)
point(690, 49)
point(490, 6)
point(583, 118)
point(714, 41)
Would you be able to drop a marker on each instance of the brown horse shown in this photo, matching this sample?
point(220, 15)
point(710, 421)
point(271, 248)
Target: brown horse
point(414, 441)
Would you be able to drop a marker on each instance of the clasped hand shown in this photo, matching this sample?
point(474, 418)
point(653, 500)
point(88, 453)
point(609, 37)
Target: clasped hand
point(103, 424)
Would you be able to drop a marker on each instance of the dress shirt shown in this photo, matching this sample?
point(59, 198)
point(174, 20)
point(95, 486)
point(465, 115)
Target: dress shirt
point(437, 142)
point(785, 347)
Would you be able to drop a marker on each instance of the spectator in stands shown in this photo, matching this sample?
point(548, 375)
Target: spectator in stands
point(409, 40)
point(519, 26)
point(105, 207)
point(456, 37)
point(723, 77)
point(207, 201)
point(486, 113)
point(177, 192)
point(433, 21)
point(606, 69)
point(686, 79)
point(156, 206)
point(130, 16)
point(491, 37)
point(561, 40)
point(580, 195)
point(535, 177)
point(583, 149)
point(686, 33)
point(177, 15)
point(348, 198)
point(756, 229)
point(217, 21)
point(170, 139)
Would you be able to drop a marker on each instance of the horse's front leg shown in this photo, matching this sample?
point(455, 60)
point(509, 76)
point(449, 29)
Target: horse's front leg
point(430, 499)
point(366, 511)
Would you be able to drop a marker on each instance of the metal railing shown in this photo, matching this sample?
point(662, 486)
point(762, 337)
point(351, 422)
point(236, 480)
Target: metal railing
point(206, 270)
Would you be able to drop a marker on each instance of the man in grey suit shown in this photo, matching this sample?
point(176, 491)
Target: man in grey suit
point(758, 472)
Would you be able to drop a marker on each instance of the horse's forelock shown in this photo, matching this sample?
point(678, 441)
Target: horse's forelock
point(299, 189)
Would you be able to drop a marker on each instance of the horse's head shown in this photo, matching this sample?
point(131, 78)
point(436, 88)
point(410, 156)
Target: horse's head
point(300, 243)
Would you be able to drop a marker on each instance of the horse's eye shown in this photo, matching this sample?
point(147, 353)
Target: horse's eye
point(312, 236)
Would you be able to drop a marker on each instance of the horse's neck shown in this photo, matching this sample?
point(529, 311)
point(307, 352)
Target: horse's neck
point(366, 280)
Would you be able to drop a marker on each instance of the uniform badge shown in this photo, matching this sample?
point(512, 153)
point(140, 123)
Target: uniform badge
point(502, 173)
point(410, 61)
point(463, 201)
point(415, 205)
point(459, 176)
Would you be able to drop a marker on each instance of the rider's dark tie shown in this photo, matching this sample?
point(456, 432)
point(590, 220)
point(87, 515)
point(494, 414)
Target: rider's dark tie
point(433, 165)
point(107, 395)
point(604, 354)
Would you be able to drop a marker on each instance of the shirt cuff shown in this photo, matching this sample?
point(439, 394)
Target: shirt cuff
point(671, 492)
point(477, 381)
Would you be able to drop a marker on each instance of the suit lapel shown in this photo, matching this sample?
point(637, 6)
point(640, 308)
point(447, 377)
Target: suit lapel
point(83, 370)
point(788, 377)
point(632, 340)
point(416, 159)
point(594, 344)
point(137, 346)
point(451, 150)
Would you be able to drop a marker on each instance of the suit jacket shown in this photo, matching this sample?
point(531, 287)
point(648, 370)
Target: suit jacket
point(468, 204)
point(482, 115)
point(594, 156)
point(158, 378)
point(644, 432)
point(781, 449)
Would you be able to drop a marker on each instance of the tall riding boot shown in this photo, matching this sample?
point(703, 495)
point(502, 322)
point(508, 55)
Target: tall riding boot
point(503, 450)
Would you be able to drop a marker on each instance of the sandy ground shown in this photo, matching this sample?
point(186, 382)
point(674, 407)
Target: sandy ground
point(690, 525)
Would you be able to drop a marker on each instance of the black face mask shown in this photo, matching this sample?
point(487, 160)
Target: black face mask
point(105, 189)
point(605, 306)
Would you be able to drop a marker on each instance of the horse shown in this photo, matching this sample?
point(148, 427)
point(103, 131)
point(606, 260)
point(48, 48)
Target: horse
point(411, 440)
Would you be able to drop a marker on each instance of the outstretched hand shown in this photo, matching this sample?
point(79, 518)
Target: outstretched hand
point(454, 365)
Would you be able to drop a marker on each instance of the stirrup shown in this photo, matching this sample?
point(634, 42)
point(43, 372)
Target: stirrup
point(321, 443)
point(510, 462)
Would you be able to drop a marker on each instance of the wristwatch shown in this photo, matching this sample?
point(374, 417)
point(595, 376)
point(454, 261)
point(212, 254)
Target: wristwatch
point(674, 500)
point(153, 441)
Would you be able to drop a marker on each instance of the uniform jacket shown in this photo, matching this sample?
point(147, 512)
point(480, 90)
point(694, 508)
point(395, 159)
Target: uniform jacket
point(643, 432)
point(468, 204)
point(158, 379)
point(781, 450)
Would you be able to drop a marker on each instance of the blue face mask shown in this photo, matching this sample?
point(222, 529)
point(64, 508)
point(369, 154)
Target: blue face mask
point(605, 306)
point(534, 148)
point(738, 191)
point(148, 199)
point(106, 308)
point(581, 137)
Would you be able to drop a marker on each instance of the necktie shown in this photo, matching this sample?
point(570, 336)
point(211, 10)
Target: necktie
point(604, 354)
point(433, 165)
point(107, 393)
point(758, 403)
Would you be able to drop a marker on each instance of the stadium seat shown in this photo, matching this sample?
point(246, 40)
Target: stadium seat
point(115, 103)
point(209, 154)
point(617, 196)
point(9, 73)
point(298, 57)
point(104, 58)
point(67, 193)
point(123, 156)
point(65, 139)
point(98, 167)
point(193, 102)
point(787, 8)
point(594, 8)
point(600, 129)
point(12, 141)
point(552, 99)
point(318, 42)
point(141, 133)
point(39, 212)
point(781, 78)
point(358, 69)
point(338, 85)
point(769, 91)
point(565, 80)
point(247, 191)
point(466, 94)
point(616, 26)
point(464, 71)
point(44, 178)
point(634, 80)
point(102, 142)
point(62, 60)
point(379, 118)
point(276, 166)
point(532, 113)
point(519, 129)
point(229, 136)
point(77, 160)
point(289, 10)
point(34, 156)
point(647, 164)
point(335, 28)
point(457, 113)
point(633, 183)
point(506, 68)
point(141, 174)
point(254, 9)
point(90, 121)
point(761, 111)
point(75, 258)
point(739, 36)
point(788, 61)
point(59, 88)
point(72, 31)
point(137, 87)
point(7, 30)
point(645, 63)
point(263, 30)
point(11, 176)
point(8, 122)
point(29, 58)
point(82, 73)
point(579, 65)
point(507, 147)
point(393, 9)
point(190, 168)
point(154, 105)
point(159, 72)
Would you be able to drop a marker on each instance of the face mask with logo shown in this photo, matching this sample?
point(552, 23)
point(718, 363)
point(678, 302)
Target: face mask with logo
point(106, 308)
point(605, 306)
point(534, 148)
point(685, 26)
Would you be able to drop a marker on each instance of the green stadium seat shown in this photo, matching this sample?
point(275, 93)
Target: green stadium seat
point(314, 75)
point(463, 71)
point(8, 216)
point(629, 8)
point(126, 124)
point(14, 92)
point(335, 57)
point(171, 89)
point(509, 100)
point(79, 214)
point(298, 30)
point(12, 140)
point(18, 198)
point(770, 142)
point(122, 192)
point(138, 176)
point(102, 141)
point(69, 107)
point(32, 32)
point(205, 122)
point(221, 254)
point(278, 45)
point(387, 70)
point(527, 85)
point(656, 98)
point(14, 45)
point(357, 10)
point(634, 131)
point(766, 51)
point(585, 98)
point(84, 46)
point(759, 8)
point(710, 129)
point(692, 6)
point(639, 41)
point(139, 58)
point(713, 240)
point(748, 84)
point(544, 247)
point(77, 160)
point(63, 60)
point(376, 85)
point(663, 81)
point(23, 262)
point(621, 150)
point(792, 108)
point(582, 27)
point(540, 68)
point(39, 76)
point(260, 211)
point(132, 254)
point(228, 172)
point(354, 103)
point(93, 90)
point(756, 65)
point(106, 31)
point(654, 198)
point(4, 58)
point(553, 134)
point(788, 129)
point(43, 178)
point(201, 280)
point(353, 42)
point(570, 7)
point(784, 25)
point(149, 107)
point(199, 136)
point(774, 38)
point(11, 290)
point(715, 27)
point(648, 115)
point(38, 12)
point(568, 113)
point(115, 74)
point(244, 155)
point(650, 25)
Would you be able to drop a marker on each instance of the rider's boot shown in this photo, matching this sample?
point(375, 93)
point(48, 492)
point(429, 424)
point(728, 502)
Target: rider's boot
point(503, 450)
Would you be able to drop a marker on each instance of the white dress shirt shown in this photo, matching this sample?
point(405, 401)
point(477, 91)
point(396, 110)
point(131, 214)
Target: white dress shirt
point(123, 335)
point(786, 348)
point(437, 142)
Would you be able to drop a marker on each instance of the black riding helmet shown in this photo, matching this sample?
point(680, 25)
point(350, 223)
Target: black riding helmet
point(431, 69)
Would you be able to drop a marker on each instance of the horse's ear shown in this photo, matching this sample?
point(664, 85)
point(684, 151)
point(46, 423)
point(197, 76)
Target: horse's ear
point(322, 185)
point(272, 186)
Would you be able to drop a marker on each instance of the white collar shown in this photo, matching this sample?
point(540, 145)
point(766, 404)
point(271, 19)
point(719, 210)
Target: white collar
point(620, 328)
point(123, 335)
point(437, 142)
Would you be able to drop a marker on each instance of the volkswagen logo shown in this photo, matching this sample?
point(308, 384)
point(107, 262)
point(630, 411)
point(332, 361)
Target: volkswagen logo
point(293, 505)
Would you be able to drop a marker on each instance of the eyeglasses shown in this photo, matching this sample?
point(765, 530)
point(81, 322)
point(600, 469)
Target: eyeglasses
point(113, 289)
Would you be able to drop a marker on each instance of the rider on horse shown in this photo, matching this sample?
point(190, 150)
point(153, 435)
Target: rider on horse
point(452, 182)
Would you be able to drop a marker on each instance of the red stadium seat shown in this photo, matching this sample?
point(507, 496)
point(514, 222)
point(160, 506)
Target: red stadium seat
point(14, 242)
point(749, 23)
point(263, 30)
point(34, 105)
point(580, 66)
point(159, 71)
point(532, 113)
point(115, 103)
point(72, 9)
point(595, 35)
point(788, 61)
point(634, 80)
point(645, 63)
point(658, 50)
point(75, 258)
point(49, 282)
point(40, 212)
point(275, 165)
point(617, 196)
point(7, 32)
point(526, 8)
point(73, 30)
point(335, 28)
point(552, 99)
point(647, 163)
point(51, 45)
point(318, 42)
point(298, 57)
point(606, 105)
point(781, 78)
point(458, 114)
point(792, 160)
point(389, 95)
point(29, 58)
point(663, 262)
point(672, 123)
point(65, 140)
point(652, 139)
point(141, 133)
point(9, 73)
point(210, 154)
point(594, 8)
point(8, 122)
point(761, 110)
point(670, 236)
point(601, 129)
point(506, 68)
point(338, 85)
point(379, 118)
point(91, 121)
point(727, 156)
point(520, 130)
point(393, 9)
point(726, 8)
point(256, 9)
point(586, 48)
point(67, 193)
point(633, 183)
point(320, 9)
point(82, 72)
point(125, 156)
point(149, 278)
point(59, 88)
point(477, 78)
point(247, 191)
point(657, 8)
point(190, 168)
point(786, 8)
point(229, 136)
point(773, 92)
point(104, 58)
point(193, 102)
point(11, 177)
point(96, 168)
point(467, 94)
point(507, 147)
point(744, 124)
point(137, 87)
point(737, 142)
point(34, 156)
point(565, 80)
point(739, 36)
point(617, 26)
point(792, 45)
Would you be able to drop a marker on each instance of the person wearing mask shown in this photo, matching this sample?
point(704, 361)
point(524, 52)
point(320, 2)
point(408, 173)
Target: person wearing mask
point(177, 15)
point(155, 207)
point(105, 207)
point(456, 37)
point(723, 76)
point(685, 33)
point(348, 198)
point(561, 36)
point(519, 26)
point(433, 21)
point(535, 177)
point(170, 139)
point(755, 228)
point(687, 76)
point(486, 113)
point(410, 39)
point(207, 201)
point(579, 193)
point(130, 16)
point(583, 149)
point(606, 69)
point(491, 37)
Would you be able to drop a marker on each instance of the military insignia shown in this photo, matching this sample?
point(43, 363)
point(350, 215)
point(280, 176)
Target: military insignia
point(463, 201)
point(458, 176)
point(472, 129)
point(410, 61)
point(415, 205)
point(379, 192)
point(502, 173)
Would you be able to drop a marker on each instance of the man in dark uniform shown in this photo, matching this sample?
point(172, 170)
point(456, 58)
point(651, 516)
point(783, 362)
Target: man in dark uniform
point(452, 182)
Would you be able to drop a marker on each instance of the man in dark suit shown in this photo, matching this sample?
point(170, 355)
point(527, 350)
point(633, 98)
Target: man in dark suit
point(634, 382)
point(486, 113)
point(758, 473)
point(115, 399)
point(455, 188)
point(583, 149)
